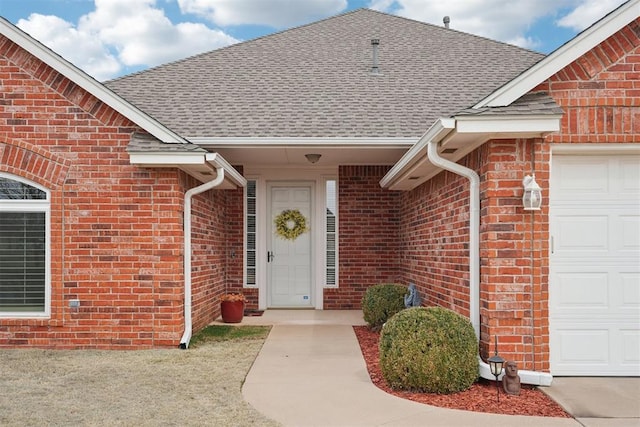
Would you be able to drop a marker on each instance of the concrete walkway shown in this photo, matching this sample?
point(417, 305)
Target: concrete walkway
point(311, 372)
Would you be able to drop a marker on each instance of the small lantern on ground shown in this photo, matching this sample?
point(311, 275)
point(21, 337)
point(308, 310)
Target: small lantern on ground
point(495, 364)
point(532, 197)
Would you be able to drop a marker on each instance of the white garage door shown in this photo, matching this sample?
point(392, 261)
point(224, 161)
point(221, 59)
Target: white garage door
point(594, 281)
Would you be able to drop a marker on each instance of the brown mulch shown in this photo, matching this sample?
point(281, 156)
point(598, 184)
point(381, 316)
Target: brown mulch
point(481, 397)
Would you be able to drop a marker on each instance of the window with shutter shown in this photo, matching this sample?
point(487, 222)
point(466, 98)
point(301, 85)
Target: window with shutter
point(331, 234)
point(250, 233)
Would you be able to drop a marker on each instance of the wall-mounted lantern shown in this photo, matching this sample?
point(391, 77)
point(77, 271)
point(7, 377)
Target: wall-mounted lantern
point(532, 197)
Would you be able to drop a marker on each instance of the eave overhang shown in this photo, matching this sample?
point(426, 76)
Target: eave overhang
point(458, 136)
point(199, 164)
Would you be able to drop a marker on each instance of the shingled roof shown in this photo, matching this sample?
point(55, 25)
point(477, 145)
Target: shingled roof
point(316, 81)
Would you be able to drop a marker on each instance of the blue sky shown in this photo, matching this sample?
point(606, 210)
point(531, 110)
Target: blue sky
point(110, 38)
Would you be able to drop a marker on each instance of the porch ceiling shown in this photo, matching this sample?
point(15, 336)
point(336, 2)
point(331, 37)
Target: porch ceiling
point(294, 155)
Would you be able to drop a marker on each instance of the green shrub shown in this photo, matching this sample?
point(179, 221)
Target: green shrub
point(431, 350)
point(380, 302)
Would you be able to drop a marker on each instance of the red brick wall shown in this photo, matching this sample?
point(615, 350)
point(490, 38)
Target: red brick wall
point(513, 253)
point(434, 240)
point(368, 235)
point(217, 250)
point(600, 92)
point(208, 252)
point(116, 229)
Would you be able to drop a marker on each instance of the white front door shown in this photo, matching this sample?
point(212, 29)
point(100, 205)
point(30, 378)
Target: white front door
point(594, 281)
point(289, 269)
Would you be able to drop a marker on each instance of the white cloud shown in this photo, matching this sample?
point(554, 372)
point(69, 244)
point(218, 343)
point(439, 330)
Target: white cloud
point(588, 12)
point(505, 20)
point(84, 50)
point(122, 33)
point(143, 35)
point(274, 13)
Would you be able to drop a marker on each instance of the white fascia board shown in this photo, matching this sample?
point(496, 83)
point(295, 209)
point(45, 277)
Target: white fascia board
point(166, 159)
point(563, 56)
point(510, 125)
point(231, 173)
point(436, 132)
point(88, 83)
point(301, 142)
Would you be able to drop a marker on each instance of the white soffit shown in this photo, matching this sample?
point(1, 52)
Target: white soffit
point(563, 56)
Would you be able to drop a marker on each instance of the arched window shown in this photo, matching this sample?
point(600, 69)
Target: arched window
point(24, 248)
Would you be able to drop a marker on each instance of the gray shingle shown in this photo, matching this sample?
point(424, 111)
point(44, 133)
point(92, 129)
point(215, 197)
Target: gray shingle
point(535, 103)
point(316, 81)
point(145, 143)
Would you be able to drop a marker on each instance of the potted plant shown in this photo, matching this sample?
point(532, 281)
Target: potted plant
point(232, 307)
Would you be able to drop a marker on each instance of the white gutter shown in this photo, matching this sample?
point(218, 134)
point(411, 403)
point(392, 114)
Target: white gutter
point(188, 324)
point(527, 377)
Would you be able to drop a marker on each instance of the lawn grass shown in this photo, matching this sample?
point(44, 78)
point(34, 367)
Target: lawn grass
point(213, 333)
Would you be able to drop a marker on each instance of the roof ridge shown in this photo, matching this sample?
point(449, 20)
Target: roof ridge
point(301, 26)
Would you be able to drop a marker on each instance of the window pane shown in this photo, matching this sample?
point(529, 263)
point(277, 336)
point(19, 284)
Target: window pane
point(22, 261)
point(16, 190)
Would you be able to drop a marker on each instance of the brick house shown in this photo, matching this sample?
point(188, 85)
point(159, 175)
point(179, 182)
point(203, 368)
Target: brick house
point(405, 158)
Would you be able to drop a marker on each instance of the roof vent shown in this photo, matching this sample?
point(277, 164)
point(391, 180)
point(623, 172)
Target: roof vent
point(446, 21)
point(374, 45)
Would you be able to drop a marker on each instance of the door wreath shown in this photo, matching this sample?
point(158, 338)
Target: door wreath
point(290, 224)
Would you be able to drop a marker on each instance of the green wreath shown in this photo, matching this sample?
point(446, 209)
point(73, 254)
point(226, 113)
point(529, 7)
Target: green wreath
point(290, 224)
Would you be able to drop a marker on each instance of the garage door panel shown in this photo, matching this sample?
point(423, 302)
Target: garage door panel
point(630, 295)
point(631, 348)
point(594, 278)
point(629, 176)
point(583, 345)
point(582, 233)
point(610, 349)
point(573, 183)
point(580, 290)
point(630, 230)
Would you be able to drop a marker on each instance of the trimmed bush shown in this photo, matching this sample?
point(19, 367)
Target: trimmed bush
point(431, 350)
point(380, 302)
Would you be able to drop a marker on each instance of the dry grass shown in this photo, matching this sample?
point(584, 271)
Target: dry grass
point(199, 386)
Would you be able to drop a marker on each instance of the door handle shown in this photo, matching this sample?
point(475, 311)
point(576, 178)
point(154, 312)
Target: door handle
point(270, 256)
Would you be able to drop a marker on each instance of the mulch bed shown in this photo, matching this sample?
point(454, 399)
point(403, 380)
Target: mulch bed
point(481, 397)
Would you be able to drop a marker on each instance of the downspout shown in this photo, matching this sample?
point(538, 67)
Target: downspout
point(188, 196)
point(474, 229)
point(527, 377)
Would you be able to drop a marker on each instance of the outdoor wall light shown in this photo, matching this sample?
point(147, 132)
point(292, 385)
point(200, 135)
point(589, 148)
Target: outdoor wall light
point(532, 197)
point(495, 365)
point(313, 158)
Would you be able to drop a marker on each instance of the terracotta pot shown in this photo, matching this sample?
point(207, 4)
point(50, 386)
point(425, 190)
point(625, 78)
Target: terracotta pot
point(232, 311)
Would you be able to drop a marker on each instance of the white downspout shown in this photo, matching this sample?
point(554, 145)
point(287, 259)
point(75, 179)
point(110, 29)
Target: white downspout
point(527, 377)
point(188, 325)
point(474, 229)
